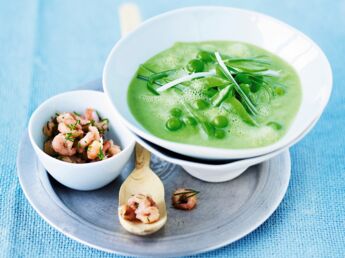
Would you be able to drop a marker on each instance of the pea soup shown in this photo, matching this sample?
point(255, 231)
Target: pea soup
point(217, 93)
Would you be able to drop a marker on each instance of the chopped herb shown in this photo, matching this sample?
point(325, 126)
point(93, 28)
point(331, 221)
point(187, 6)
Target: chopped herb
point(100, 154)
point(99, 116)
point(74, 126)
point(69, 137)
point(188, 191)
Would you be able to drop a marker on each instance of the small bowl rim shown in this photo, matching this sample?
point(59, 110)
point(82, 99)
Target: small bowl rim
point(90, 164)
point(240, 153)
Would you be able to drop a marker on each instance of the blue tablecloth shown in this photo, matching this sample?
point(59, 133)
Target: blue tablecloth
point(47, 47)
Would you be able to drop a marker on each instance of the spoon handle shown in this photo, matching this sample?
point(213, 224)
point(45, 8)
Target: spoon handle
point(129, 17)
point(142, 157)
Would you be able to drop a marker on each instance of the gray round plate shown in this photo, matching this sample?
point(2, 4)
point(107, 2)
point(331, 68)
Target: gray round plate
point(226, 211)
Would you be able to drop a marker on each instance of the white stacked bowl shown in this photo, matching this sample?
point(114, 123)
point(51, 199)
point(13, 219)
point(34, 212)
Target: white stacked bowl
point(206, 23)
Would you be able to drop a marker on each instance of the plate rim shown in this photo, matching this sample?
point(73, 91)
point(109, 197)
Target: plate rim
point(30, 196)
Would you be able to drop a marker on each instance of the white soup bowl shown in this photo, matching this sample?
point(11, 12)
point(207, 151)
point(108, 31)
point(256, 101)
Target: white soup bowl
point(207, 23)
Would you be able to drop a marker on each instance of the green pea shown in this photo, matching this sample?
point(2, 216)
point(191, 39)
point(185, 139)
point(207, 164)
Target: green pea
point(190, 121)
point(220, 121)
point(195, 66)
point(275, 125)
point(176, 112)
point(173, 124)
point(205, 56)
point(220, 134)
point(279, 91)
point(201, 104)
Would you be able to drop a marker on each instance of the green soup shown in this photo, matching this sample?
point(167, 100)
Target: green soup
point(252, 107)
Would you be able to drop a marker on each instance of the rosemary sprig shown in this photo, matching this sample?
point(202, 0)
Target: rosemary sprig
point(184, 196)
point(187, 192)
point(190, 189)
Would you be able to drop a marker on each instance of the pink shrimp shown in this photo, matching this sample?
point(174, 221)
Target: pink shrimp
point(66, 118)
point(73, 129)
point(91, 136)
point(63, 146)
point(127, 212)
point(185, 199)
point(90, 115)
point(81, 119)
point(144, 207)
point(147, 215)
point(110, 148)
point(95, 150)
point(140, 200)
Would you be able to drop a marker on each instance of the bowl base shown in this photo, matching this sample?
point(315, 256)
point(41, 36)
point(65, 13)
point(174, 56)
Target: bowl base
point(222, 176)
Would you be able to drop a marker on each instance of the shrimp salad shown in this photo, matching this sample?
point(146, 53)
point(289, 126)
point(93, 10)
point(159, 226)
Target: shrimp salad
point(140, 208)
point(78, 138)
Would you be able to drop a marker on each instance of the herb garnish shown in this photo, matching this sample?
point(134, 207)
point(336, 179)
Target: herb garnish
point(99, 116)
point(92, 122)
point(74, 126)
point(184, 196)
point(100, 154)
point(249, 104)
point(69, 137)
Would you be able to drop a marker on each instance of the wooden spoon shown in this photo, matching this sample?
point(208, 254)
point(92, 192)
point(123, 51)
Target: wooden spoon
point(143, 181)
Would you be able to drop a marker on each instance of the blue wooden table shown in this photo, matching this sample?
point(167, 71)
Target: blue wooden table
point(47, 47)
